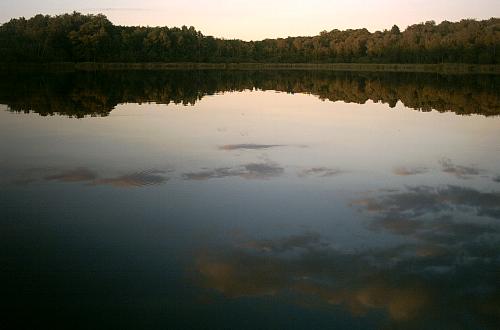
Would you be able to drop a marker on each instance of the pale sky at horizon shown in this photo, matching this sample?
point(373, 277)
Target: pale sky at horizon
point(259, 19)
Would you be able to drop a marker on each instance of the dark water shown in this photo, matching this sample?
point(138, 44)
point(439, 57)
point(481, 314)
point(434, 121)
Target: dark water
point(249, 200)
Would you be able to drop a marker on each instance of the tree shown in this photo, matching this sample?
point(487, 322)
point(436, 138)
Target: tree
point(75, 37)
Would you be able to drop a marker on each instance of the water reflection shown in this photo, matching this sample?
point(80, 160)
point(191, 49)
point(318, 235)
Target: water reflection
point(262, 168)
point(137, 179)
point(460, 171)
point(323, 172)
point(249, 171)
point(76, 175)
point(249, 146)
point(424, 201)
point(92, 178)
point(414, 285)
point(252, 209)
point(317, 273)
point(419, 283)
point(98, 93)
point(407, 171)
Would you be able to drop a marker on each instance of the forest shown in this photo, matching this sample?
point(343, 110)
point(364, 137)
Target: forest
point(81, 94)
point(77, 37)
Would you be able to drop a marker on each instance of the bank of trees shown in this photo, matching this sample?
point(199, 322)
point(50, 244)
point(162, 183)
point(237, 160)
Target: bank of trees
point(76, 38)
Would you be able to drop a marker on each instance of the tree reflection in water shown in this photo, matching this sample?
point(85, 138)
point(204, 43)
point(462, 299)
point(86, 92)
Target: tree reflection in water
point(80, 94)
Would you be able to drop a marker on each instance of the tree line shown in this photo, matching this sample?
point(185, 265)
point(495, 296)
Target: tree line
point(80, 94)
point(80, 38)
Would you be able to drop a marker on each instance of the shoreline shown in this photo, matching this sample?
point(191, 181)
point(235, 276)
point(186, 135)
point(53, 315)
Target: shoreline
point(445, 68)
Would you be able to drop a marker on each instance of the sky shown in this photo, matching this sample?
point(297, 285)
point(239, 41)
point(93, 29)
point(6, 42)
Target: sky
point(260, 19)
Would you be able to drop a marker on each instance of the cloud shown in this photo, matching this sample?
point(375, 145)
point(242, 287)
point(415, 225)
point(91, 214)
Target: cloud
point(30, 175)
point(262, 171)
point(401, 303)
point(407, 171)
point(453, 233)
point(446, 216)
point(408, 283)
point(320, 172)
point(302, 241)
point(137, 179)
point(422, 200)
point(221, 172)
point(447, 263)
point(81, 174)
point(248, 171)
point(250, 146)
point(77, 175)
point(399, 226)
point(461, 172)
point(430, 250)
point(332, 277)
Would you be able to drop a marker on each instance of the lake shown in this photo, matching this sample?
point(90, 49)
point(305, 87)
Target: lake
point(250, 200)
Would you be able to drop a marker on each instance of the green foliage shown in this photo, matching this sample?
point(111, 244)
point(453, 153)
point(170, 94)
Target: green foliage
point(79, 38)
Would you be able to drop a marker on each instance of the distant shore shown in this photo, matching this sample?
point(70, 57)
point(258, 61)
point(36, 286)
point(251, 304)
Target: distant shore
point(445, 68)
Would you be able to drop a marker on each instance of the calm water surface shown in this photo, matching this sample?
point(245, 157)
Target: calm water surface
point(250, 200)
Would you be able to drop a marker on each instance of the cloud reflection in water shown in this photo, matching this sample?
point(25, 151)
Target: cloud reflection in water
point(77, 175)
point(84, 175)
point(448, 264)
point(249, 171)
point(460, 171)
point(137, 179)
point(323, 172)
point(407, 171)
point(249, 146)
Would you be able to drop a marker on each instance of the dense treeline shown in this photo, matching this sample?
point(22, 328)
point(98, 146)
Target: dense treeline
point(80, 94)
point(78, 38)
